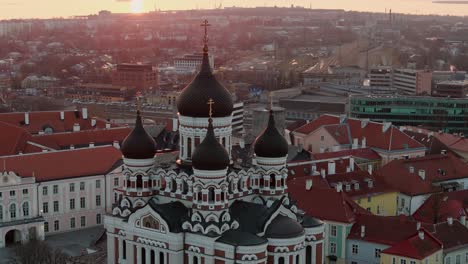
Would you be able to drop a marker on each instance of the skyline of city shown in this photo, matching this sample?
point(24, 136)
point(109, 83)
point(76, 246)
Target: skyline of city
point(25, 9)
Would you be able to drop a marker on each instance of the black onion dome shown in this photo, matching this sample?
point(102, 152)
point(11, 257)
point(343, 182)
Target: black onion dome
point(138, 144)
point(210, 154)
point(192, 101)
point(271, 144)
point(284, 227)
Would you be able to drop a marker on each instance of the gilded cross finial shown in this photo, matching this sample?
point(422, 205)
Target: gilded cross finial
point(205, 24)
point(211, 103)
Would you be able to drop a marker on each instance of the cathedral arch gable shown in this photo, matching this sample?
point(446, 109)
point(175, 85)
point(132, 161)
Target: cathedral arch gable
point(149, 219)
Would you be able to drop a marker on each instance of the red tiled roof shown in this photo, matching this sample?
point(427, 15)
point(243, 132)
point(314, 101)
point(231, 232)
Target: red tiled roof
point(415, 247)
point(387, 230)
point(360, 177)
point(391, 139)
point(302, 170)
point(451, 204)
point(454, 142)
point(40, 120)
point(317, 123)
point(340, 132)
point(362, 153)
point(322, 203)
point(82, 138)
point(436, 167)
point(55, 165)
point(13, 139)
point(452, 236)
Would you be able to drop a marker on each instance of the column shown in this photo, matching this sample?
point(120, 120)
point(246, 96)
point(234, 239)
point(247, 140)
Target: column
point(110, 248)
point(148, 255)
point(138, 254)
point(120, 249)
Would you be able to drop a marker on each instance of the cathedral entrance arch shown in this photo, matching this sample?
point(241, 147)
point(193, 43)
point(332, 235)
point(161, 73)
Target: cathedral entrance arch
point(12, 237)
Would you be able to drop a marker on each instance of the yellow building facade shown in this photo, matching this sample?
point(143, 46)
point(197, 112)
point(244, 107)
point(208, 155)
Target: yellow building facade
point(384, 204)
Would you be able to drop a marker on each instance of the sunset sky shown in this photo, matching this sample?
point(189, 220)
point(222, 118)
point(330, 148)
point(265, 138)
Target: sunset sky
point(65, 8)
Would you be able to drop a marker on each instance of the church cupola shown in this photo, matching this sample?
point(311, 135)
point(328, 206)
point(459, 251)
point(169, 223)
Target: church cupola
point(193, 110)
point(138, 144)
point(192, 101)
point(210, 154)
point(271, 144)
point(271, 152)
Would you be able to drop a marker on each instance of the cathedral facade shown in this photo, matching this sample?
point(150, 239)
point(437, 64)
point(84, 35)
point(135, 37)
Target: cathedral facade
point(206, 209)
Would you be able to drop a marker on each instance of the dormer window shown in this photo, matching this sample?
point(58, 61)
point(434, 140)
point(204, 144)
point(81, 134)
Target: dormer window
point(370, 184)
point(348, 187)
point(356, 186)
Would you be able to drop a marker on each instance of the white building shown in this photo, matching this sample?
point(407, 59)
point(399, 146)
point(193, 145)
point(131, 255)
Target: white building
point(380, 77)
point(412, 82)
point(190, 63)
point(56, 191)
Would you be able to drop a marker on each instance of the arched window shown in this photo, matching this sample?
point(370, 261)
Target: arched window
point(222, 196)
point(189, 148)
point(25, 209)
point(309, 255)
point(143, 254)
point(13, 211)
point(195, 260)
point(173, 185)
point(297, 259)
point(1, 213)
point(199, 196)
point(161, 257)
point(211, 195)
point(153, 257)
point(281, 260)
point(124, 249)
point(139, 181)
point(224, 142)
point(272, 181)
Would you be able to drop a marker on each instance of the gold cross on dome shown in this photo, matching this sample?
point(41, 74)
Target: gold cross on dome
point(205, 25)
point(211, 103)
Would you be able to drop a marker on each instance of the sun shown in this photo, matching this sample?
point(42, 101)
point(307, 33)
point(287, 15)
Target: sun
point(137, 6)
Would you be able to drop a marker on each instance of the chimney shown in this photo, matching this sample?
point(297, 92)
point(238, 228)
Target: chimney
point(313, 169)
point(411, 169)
point(421, 234)
point(355, 143)
point(72, 146)
point(370, 169)
point(422, 174)
point(386, 126)
point(418, 226)
point(116, 144)
point(463, 220)
point(309, 184)
point(91, 144)
point(331, 168)
point(343, 119)
point(363, 231)
point(84, 113)
point(450, 221)
point(242, 143)
point(339, 187)
point(26, 118)
point(76, 127)
point(93, 122)
point(364, 122)
point(322, 173)
point(363, 142)
point(351, 164)
point(348, 169)
point(62, 115)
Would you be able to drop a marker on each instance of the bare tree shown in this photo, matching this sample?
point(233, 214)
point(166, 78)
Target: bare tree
point(37, 252)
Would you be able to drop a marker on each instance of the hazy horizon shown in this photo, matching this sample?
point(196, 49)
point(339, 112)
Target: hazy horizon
point(10, 9)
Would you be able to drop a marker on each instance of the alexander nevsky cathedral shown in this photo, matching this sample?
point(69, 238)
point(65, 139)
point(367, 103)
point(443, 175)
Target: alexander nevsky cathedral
point(206, 209)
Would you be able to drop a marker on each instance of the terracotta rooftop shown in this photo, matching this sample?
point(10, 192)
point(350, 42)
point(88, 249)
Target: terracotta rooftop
point(361, 153)
point(13, 139)
point(317, 202)
point(376, 136)
point(453, 236)
point(407, 175)
point(416, 247)
point(55, 165)
point(444, 205)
